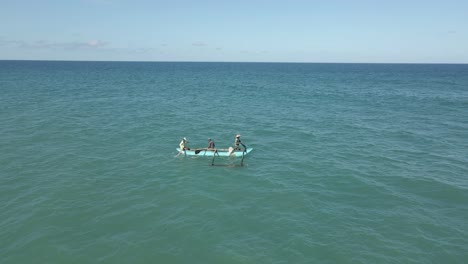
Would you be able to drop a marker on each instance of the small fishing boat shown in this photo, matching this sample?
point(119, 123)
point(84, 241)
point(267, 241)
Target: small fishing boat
point(204, 152)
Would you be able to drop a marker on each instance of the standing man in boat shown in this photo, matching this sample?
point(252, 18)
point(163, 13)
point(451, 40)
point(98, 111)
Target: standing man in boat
point(238, 142)
point(211, 144)
point(184, 144)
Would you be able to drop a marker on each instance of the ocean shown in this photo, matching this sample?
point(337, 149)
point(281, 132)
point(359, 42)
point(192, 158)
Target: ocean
point(351, 163)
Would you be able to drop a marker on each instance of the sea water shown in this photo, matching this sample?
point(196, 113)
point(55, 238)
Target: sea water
point(352, 163)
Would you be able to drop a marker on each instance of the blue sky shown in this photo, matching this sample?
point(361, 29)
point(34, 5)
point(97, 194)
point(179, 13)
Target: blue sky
point(261, 31)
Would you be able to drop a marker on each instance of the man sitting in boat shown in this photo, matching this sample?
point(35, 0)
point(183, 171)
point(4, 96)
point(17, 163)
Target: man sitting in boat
point(211, 144)
point(184, 144)
point(238, 142)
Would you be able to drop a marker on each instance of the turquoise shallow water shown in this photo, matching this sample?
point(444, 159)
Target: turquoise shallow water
point(352, 163)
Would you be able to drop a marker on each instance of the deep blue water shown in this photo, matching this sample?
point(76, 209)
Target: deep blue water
point(352, 163)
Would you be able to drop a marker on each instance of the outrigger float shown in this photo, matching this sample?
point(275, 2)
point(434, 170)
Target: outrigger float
point(205, 152)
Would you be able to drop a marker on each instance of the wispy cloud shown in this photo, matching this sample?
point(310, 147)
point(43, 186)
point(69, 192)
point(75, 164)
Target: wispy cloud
point(199, 44)
point(7, 42)
point(93, 43)
point(44, 44)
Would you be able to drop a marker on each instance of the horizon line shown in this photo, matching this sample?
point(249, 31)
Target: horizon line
point(272, 62)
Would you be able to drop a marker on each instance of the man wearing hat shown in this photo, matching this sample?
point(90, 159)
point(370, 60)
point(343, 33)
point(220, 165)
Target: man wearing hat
point(184, 144)
point(238, 142)
point(211, 144)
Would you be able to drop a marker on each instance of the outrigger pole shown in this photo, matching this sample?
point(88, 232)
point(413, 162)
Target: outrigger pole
point(214, 156)
point(217, 154)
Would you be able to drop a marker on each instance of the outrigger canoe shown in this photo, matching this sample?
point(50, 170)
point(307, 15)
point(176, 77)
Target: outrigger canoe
point(215, 152)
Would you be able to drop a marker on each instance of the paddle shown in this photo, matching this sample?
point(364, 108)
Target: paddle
point(199, 150)
point(180, 152)
point(231, 151)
